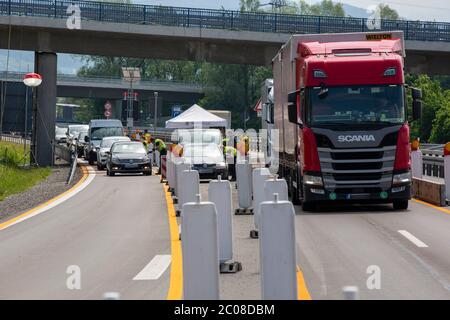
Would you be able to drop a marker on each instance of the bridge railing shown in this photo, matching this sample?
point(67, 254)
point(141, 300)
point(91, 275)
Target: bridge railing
point(433, 160)
point(220, 19)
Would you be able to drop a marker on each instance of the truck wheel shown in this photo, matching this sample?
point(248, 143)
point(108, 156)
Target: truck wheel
point(308, 206)
point(295, 193)
point(400, 204)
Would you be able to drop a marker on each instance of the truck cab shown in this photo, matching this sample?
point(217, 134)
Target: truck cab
point(349, 115)
point(99, 129)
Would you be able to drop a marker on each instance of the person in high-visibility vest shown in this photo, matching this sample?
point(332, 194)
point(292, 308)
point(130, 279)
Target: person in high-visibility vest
point(147, 135)
point(161, 146)
point(231, 154)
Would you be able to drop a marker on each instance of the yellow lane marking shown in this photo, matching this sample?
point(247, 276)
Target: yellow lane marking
point(42, 205)
point(432, 205)
point(176, 270)
point(302, 289)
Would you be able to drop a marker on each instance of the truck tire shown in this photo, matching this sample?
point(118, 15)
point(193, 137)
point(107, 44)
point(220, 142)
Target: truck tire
point(295, 193)
point(400, 204)
point(308, 206)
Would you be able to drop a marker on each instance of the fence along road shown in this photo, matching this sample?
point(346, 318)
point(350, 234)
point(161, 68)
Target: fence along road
point(221, 19)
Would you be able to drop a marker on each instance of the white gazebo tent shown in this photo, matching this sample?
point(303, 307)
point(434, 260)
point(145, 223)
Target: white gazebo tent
point(195, 116)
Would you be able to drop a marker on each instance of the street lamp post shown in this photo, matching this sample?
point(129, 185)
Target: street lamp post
point(31, 80)
point(131, 75)
point(155, 119)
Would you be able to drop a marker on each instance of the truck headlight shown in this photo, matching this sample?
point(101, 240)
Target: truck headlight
point(402, 178)
point(312, 180)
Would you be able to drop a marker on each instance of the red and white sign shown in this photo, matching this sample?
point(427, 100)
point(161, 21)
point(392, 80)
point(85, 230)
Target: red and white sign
point(32, 79)
point(107, 113)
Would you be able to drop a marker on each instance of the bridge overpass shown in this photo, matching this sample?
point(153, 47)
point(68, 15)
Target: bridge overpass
point(195, 34)
point(182, 34)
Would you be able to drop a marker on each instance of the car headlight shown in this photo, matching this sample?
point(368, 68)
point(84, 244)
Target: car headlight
point(221, 165)
point(145, 159)
point(114, 159)
point(402, 178)
point(312, 180)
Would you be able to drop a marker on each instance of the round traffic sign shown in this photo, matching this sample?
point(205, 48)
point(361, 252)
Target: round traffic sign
point(107, 113)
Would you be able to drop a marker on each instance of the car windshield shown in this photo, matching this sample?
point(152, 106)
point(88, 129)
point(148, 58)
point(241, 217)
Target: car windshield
point(60, 131)
point(100, 133)
point(378, 104)
point(202, 151)
point(128, 148)
point(200, 136)
point(75, 130)
point(107, 143)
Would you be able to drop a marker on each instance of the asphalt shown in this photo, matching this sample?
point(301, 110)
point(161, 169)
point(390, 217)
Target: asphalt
point(115, 226)
point(111, 230)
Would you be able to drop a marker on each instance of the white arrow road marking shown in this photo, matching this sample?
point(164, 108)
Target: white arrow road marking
point(413, 239)
point(155, 268)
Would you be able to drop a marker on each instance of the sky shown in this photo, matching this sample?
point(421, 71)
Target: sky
point(429, 10)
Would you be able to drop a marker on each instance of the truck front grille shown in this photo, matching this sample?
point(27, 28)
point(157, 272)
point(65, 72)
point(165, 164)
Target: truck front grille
point(363, 168)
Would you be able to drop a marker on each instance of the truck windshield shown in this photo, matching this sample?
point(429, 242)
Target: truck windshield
point(100, 133)
point(376, 104)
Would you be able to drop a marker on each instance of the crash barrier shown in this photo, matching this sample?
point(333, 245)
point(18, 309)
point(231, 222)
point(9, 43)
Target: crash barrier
point(432, 160)
point(259, 176)
point(429, 191)
point(180, 166)
point(14, 139)
point(200, 251)
point(278, 186)
point(219, 193)
point(62, 152)
point(244, 186)
point(278, 267)
point(73, 163)
point(171, 170)
point(163, 168)
point(188, 187)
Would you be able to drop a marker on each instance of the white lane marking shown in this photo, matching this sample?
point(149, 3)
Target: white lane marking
point(413, 239)
point(57, 202)
point(155, 268)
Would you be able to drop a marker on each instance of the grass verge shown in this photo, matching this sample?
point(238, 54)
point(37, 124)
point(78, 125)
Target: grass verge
point(14, 179)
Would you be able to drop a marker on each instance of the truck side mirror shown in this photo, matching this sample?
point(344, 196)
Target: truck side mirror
point(416, 109)
point(416, 93)
point(292, 107)
point(416, 103)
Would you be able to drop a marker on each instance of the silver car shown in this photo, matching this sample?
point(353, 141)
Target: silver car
point(105, 146)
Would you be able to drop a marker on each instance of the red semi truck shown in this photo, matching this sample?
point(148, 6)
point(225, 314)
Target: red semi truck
point(340, 108)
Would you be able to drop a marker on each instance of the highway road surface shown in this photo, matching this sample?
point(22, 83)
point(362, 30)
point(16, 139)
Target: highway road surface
point(349, 245)
point(117, 234)
point(113, 231)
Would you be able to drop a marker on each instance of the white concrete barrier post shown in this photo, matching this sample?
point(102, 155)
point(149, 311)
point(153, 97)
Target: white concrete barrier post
point(244, 186)
point(170, 170)
point(277, 250)
point(416, 164)
point(276, 185)
point(188, 187)
point(219, 193)
point(259, 176)
point(200, 251)
point(180, 166)
point(447, 170)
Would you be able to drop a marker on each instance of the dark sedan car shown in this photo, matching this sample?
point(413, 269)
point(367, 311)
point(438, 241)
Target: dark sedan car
point(128, 157)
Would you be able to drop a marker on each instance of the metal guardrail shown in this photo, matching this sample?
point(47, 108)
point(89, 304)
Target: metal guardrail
point(220, 19)
point(14, 138)
point(433, 160)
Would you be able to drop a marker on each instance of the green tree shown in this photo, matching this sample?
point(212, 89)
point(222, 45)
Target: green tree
point(387, 12)
point(249, 5)
point(324, 8)
point(440, 133)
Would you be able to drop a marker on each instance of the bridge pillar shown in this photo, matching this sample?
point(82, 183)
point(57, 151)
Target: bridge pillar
point(44, 109)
